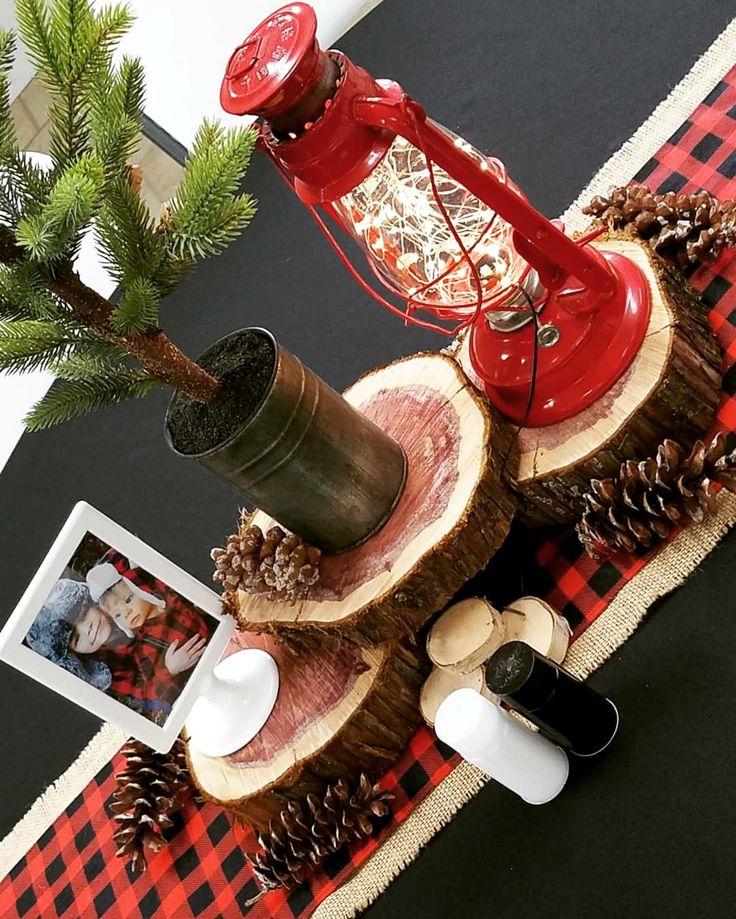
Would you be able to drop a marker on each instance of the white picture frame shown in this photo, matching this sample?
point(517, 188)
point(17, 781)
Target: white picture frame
point(86, 519)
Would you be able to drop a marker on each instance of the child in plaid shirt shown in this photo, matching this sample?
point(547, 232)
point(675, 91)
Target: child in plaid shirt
point(169, 635)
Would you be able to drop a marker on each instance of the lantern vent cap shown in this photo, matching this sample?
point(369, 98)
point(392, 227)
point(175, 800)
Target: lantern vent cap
point(270, 69)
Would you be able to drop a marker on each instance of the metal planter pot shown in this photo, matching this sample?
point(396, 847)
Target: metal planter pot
point(308, 458)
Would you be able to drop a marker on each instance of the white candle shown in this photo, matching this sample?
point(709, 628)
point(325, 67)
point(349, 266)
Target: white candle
point(494, 741)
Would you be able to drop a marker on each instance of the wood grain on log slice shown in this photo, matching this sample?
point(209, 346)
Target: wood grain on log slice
point(342, 709)
point(533, 621)
point(465, 635)
point(441, 682)
point(672, 389)
point(454, 513)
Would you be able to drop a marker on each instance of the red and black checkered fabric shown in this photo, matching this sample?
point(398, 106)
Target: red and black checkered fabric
point(72, 871)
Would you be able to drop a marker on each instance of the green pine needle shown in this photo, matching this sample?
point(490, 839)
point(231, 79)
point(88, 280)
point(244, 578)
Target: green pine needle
point(138, 308)
point(32, 344)
point(90, 364)
point(207, 212)
point(24, 295)
point(34, 25)
point(129, 245)
point(70, 398)
point(23, 187)
point(128, 92)
point(71, 47)
point(74, 199)
point(8, 142)
point(100, 350)
point(116, 110)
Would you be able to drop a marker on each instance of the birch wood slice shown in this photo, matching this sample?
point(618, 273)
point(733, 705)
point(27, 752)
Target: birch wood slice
point(465, 635)
point(454, 513)
point(342, 709)
point(672, 389)
point(440, 683)
point(533, 621)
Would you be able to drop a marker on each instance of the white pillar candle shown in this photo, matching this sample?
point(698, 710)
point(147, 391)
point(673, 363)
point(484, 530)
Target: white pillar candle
point(494, 741)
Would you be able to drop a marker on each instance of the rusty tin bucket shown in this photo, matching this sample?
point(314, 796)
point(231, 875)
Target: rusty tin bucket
point(309, 459)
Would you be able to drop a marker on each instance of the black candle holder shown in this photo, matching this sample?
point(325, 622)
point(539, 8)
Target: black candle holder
point(564, 708)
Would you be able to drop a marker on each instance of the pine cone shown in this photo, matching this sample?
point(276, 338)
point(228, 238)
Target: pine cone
point(164, 223)
point(136, 177)
point(277, 565)
point(683, 229)
point(303, 835)
point(649, 499)
point(150, 789)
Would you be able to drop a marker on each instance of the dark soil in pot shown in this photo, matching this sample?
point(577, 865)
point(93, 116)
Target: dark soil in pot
point(244, 364)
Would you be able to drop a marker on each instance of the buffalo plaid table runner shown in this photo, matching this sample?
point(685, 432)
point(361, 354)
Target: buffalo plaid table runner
point(72, 871)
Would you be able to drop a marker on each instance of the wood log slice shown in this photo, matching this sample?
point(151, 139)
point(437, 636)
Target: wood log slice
point(453, 515)
point(465, 635)
point(441, 682)
point(536, 623)
point(342, 709)
point(672, 389)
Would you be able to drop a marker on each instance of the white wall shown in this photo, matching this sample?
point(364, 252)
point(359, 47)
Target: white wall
point(186, 44)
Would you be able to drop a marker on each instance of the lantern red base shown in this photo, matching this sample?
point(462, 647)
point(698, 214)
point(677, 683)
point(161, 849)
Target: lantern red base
point(596, 345)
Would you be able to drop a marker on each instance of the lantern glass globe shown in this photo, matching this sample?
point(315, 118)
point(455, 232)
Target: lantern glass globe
point(395, 217)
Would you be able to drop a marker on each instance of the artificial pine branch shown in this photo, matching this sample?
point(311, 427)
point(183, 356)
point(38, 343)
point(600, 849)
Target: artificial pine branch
point(95, 116)
point(116, 107)
point(34, 23)
point(7, 127)
point(23, 185)
point(54, 232)
point(24, 295)
point(206, 214)
point(138, 308)
point(80, 396)
point(31, 344)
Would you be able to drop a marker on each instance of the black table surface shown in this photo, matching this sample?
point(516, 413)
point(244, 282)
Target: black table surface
point(553, 90)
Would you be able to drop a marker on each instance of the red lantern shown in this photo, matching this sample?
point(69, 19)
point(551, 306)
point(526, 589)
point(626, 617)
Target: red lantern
point(553, 322)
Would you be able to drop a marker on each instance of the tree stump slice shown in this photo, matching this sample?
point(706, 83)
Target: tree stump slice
point(453, 515)
point(672, 389)
point(342, 709)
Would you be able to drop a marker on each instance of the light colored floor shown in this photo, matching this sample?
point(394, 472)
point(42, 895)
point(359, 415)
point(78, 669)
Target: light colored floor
point(160, 173)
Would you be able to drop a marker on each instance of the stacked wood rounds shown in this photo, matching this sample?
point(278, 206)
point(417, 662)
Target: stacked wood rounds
point(350, 666)
point(468, 633)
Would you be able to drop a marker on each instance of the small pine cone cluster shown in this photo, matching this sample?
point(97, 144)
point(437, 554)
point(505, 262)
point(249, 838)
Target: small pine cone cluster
point(276, 565)
point(150, 789)
point(649, 499)
point(303, 835)
point(682, 229)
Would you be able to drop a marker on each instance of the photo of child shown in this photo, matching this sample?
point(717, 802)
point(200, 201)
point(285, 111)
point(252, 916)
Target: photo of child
point(122, 630)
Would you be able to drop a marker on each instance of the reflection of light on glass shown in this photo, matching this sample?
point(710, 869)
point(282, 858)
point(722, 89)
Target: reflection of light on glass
point(394, 215)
